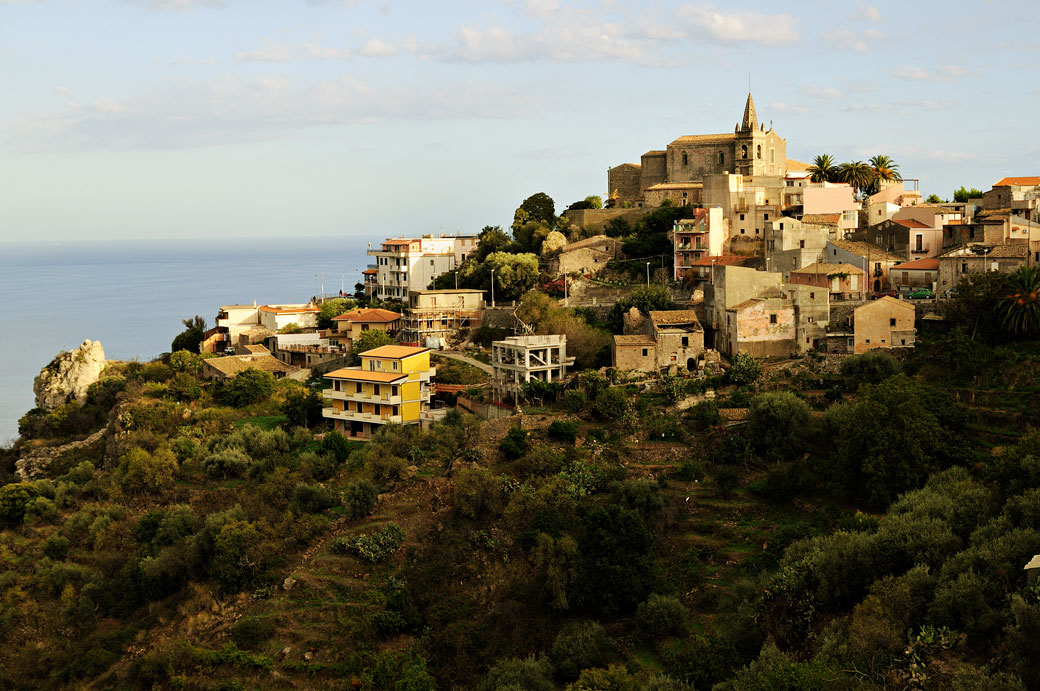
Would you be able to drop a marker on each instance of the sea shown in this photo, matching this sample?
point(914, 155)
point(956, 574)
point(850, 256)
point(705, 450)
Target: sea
point(132, 295)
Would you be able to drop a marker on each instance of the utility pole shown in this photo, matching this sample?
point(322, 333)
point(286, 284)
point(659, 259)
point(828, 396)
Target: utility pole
point(492, 287)
point(456, 280)
point(648, 274)
point(341, 285)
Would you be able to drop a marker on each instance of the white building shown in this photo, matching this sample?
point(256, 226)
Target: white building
point(407, 264)
point(520, 359)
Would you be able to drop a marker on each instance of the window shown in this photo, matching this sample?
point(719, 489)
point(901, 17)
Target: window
point(646, 352)
point(741, 231)
point(685, 341)
point(892, 321)
point(743, 151)
point(781, 225)
point(722, 158)
point(772, 318)
point(685, 159)
point(767, 217)
point(868, 341)
point(395, 364)
point(395, 410)
point(964, 267)
point(810, 319)
point(812, 296)
point(741, 217)
point(801, 244)
point(759, 152)
point(772, 155)
point(357, 388)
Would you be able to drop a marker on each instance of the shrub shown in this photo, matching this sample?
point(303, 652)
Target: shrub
point(238, 555)
point(373, 548)
point(302, 408)
point(313, 498)
point(872, 367)
point(248, 632)
point(13, 500)
point(40, 510)
point(478, 493)
point(579, 645)
point(360, 499)
point(642, 495)
point(611, 405)
point(777, 422)
point(56, 547)
point(529, 674)
point(661, 615)
point(226, 463)
point(689, 470)
point(140, 472)
point(184, 387)
point(515, 443)
point(563, 431)
point(745, 369)
point(248, 387)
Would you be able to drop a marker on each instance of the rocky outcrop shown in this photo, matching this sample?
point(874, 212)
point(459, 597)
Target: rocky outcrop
point(34, 464)
point(69, 375)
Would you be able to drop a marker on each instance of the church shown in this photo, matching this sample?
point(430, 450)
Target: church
point(678, 172)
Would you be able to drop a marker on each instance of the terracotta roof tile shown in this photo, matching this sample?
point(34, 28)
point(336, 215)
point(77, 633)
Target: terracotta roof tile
point(1024, 181)
point(722, 260)
point(910, 223)
point(358, 374)
point(926, 264)
point(368, 315)
point(394, 352)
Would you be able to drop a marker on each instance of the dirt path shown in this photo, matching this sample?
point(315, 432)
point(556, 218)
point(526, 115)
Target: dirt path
point(465, 358)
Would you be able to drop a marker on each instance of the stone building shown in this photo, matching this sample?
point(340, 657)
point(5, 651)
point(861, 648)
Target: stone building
point(920, 273)
point(518, 360)
point(750, 150)
point(873, 260)
point(748, 204)
point(761, 327)
point(731, 285)
point(671, 339)
point(791, 244)
point(883, 323)
point(839, 281)
point(229, 367)
point(906, 237)
point(1019, 195)
point(588, 256)
point(959, 262)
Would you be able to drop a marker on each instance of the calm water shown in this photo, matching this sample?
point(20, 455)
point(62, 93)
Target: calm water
point(131, 296)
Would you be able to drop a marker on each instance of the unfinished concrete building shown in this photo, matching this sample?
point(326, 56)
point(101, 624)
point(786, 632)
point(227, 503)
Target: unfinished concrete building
point(435, 315)
point(521, 359)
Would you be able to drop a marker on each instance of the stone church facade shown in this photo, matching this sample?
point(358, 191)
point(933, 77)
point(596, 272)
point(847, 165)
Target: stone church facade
point(678, 172)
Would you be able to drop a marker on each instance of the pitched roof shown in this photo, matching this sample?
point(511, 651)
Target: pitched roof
point(257, 349)
point(926, 264)
point(674, 317)
point(676, 186)
point(633, 340)
point(910, 223)
point(630, 165)
point(863, 248)
point(358, 374)
point(694, 138)
point(1024, 181)
point(754, 301)
point(395, 352)
point(368, 315)
point(796, 165)
point(829, 219)
point(233, 365)
point(828, 269)
point(590, 242)
point(887, 300)
point(1011, 249)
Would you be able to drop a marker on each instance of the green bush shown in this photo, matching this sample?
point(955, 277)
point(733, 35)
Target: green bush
point(872, 367)
point(689, 470)
point(579, 645)
point(373, 548)
point(516, 674)
point(248, 387)
point(515, 443)
point(313, 498)
point(661, 615)
point(13, 500)
point(249, 632)
point(777, 423)
point(478, 493)
point(745, 369)
point(560, 430)
point(726, 480)
point(226, 463)
point(56, 547)
point(611, 405)
point(360, 499)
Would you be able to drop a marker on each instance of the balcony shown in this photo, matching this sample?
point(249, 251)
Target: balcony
point(354, 416)
point(923, 249)
point(363, 397)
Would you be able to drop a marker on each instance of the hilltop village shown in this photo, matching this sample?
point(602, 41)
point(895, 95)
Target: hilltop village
point(738, 423)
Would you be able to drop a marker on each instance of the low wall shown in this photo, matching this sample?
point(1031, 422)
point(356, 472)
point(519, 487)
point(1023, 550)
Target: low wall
point(487, 411)
point(597, 219)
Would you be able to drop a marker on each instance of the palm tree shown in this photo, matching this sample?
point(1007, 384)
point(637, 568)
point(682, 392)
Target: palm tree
point(822, 169)
point(884, 168)
point(1020, 310)
point(856, 173)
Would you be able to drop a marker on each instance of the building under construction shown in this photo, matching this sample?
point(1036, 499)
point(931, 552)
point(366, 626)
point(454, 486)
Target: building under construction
point(434, 315)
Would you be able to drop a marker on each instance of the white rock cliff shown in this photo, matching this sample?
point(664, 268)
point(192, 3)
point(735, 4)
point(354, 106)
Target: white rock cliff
point(69, 375)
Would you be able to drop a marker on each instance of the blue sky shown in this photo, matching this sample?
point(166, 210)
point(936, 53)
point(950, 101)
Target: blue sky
point(194, 118)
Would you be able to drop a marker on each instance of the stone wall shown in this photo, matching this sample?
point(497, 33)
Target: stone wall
point(625, 181)
point(594, 220)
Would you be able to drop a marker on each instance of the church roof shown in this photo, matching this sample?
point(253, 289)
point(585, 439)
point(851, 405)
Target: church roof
point(750, 121)
point(697, 138)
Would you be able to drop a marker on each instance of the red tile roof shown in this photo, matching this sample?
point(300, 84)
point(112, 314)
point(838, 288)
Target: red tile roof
point(926, 264)
point(368, 315)
point(911, 223)
point(1026, 181)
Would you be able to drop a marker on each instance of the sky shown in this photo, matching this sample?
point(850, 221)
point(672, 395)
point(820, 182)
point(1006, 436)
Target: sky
point(137, 119)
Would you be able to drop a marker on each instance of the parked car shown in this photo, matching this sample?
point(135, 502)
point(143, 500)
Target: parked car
point(922, 294)
point(884, 294)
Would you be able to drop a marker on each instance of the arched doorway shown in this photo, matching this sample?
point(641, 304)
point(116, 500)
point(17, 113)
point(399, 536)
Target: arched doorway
point(877, 286)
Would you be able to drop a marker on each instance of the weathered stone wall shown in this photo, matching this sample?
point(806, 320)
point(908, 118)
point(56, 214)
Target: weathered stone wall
point(624, 180)
point(594, 220)
point(630, 357)
point(702, 158)
point(655, 169)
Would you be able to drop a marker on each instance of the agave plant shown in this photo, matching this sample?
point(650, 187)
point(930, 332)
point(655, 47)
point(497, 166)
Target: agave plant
point(1020, 310)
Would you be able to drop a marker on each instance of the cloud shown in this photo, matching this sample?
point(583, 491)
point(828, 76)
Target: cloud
point(946, 73)
point(825, 93)
point(738, 26)
point(868, 12)
point(271, 52)
point(192, 114)
point(561, 44)
point(862, 42)
point(320, 52)
point(786, 108)
point(177, 5)
point(193, 61)
point(374, 48)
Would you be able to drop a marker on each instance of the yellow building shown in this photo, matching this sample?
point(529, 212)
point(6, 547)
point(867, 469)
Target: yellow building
point(392, 386)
